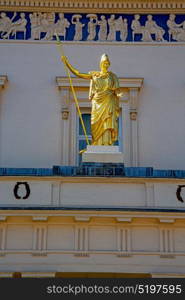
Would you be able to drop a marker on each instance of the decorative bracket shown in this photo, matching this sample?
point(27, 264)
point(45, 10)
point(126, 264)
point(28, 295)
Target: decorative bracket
point(3, 81)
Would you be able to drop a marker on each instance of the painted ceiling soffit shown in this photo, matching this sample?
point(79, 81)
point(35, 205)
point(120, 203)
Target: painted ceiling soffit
point(152, 6)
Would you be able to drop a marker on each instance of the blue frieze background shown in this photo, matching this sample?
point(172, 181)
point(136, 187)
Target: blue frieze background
point(160, 19)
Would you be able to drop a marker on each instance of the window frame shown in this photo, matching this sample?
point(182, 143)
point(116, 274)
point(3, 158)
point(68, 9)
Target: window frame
point(129, 115)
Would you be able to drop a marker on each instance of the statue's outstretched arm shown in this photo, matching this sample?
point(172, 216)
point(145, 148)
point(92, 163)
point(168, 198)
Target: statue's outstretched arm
point(73, 70)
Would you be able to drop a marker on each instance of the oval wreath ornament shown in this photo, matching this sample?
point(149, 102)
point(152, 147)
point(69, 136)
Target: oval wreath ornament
point(178, 193)
point(27, 190)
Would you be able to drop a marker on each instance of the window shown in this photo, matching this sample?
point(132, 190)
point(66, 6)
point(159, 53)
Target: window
point(81, 140)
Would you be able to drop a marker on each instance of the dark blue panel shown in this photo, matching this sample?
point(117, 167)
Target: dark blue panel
point(64, 170)
point(169, 173)
point(25, 172)
point(160, 19)
point(94, 169)
point(139, 172)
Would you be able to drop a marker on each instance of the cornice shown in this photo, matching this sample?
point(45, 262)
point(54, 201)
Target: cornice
point(63, 82)
point(87, 180)
point(120, 214)
point(126, 6)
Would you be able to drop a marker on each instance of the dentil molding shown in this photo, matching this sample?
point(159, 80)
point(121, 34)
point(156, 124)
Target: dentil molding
point(120, 6)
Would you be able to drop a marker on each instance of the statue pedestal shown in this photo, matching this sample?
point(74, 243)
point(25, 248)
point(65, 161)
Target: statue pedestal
point(102, 154)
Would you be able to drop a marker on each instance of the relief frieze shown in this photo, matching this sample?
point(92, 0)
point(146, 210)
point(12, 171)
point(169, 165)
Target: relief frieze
point(92, 27)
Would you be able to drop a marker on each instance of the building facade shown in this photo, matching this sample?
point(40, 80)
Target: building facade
point(59, 218)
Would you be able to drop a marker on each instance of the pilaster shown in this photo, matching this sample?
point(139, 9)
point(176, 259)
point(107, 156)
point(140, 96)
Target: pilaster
point(40, 238)
point(81, 238)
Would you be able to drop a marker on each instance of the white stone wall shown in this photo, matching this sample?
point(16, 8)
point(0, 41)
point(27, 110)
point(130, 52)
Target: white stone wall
point(113, 225)
point(93, 241)
point(30, 106)
point(93, 192)
point(49, 241)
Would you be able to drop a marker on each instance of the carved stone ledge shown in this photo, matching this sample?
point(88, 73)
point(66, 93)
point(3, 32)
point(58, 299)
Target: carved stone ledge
point(3, 81)
point(3, 218)
point(131, 82)
point(167, 275)
point(128, 83)
point(124, 220)
point(82, 254)
point(39, 219)
point(167, 256)
point(81, 219)
point(124, 255)
point(37, 274)
point(63, 82)
point(167, 221)
point(39, 253)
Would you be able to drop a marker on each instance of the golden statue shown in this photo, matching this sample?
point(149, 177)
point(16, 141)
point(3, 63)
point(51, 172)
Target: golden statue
point(104, 93)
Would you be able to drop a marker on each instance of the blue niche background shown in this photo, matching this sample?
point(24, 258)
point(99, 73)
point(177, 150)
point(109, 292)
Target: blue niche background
point(160, 19)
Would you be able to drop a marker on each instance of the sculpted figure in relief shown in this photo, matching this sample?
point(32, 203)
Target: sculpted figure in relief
point(104, 95)
point(35, 25)
point(181, 35)
point(51, 26)
point(102, 34)
point(122, 26)
point(47, 25)
point(112, 28)
point(5, 22)
point(78, 27)
point(18, 26)
point(44, 24)
point(92, 26)
point(61, 25)
point(138, 29)
point(153, 28)
point(176, 31)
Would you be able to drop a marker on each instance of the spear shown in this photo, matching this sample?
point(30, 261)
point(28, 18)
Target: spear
point(59, 43)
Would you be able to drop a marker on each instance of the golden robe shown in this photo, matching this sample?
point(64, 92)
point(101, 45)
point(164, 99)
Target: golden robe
point(105, 107)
